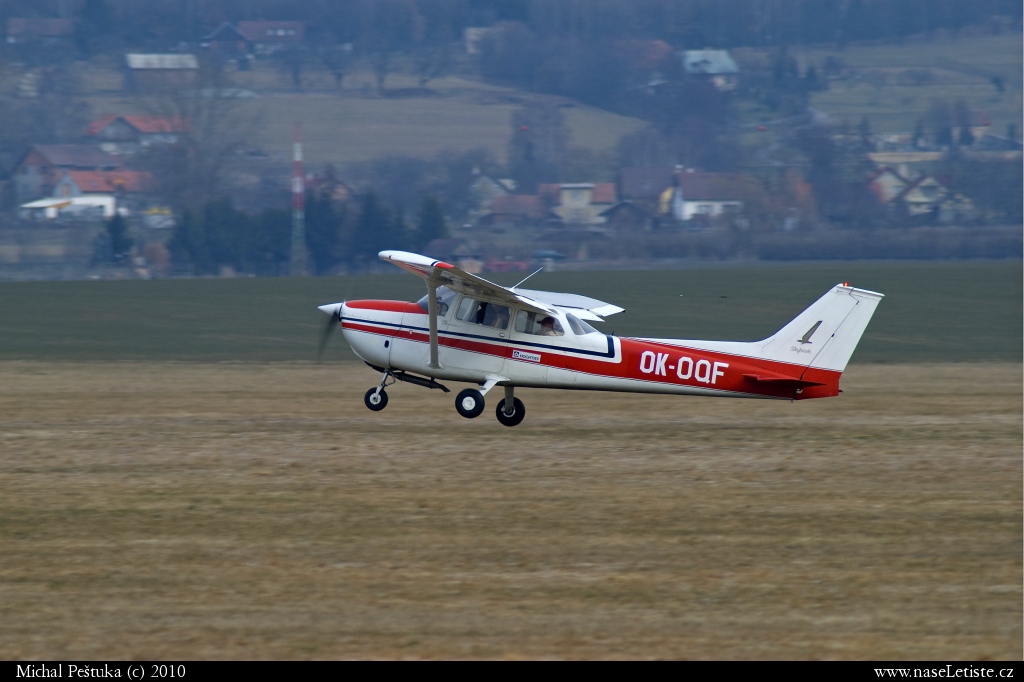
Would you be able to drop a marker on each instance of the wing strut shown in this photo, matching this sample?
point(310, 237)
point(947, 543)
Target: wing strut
point(432, 317)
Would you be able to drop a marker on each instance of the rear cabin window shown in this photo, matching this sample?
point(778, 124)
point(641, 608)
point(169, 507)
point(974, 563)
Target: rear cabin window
point(538, 323)
point(483, 312)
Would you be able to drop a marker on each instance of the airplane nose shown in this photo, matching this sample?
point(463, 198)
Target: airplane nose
point(332, 309)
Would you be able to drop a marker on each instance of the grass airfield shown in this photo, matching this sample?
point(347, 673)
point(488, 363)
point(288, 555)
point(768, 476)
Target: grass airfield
point(166, 506)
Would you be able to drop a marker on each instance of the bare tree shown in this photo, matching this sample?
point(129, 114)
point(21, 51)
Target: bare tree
point(336, 58)
point(431, 62)
point(212, 126)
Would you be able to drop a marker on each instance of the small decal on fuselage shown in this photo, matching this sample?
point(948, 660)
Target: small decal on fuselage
point(523, 355)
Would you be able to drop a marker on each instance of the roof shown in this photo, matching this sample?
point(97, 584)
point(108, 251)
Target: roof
point(645, 182)
point(161, 61)
point(229, 31)
point(109, 182)
point(43, 28)
point(529, 205)
point(923, 180)
point(272, 31)
point(144, 124)
point(708, 61)
point(625, 207)
point(76, 156)
point(698, 186)
point(603, 192)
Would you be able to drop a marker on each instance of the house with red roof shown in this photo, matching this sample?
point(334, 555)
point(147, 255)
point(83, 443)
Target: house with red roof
point(39, 169)
point(76, 183)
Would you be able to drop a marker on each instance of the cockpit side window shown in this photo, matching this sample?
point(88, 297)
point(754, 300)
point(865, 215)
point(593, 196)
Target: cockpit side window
point(445, 296)
point(484, 313)
point(538, 324)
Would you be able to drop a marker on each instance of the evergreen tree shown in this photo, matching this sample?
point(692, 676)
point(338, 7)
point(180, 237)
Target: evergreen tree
point(120, 242)
point(323, 232)
point(430, 224)
point(373, 229)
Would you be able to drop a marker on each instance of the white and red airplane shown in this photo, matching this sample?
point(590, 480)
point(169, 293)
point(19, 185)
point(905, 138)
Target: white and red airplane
point(467, 329)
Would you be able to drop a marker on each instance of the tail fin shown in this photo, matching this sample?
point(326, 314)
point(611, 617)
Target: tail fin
point(824, 335)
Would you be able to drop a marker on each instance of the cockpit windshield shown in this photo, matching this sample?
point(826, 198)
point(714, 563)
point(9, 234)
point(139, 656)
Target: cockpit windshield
point(579, 327)
point(445, 296)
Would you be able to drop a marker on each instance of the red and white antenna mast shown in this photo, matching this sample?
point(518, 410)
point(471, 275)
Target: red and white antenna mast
point(298, 256)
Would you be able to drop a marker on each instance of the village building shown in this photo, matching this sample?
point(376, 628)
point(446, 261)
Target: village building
point(922, 198)
point(579, 204)
point(91, 194)
point(227, 42)
point(125, 135)
point(43, 165)
point(484, 189)
point(716, 66)
point(683, 194)
point(517, 210)
point(156, 72)
point(268, 37)
point(701, 196)
point(627, 216)
point(886, 183)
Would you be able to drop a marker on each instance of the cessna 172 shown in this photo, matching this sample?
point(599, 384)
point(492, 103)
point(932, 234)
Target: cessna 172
point(467, 329)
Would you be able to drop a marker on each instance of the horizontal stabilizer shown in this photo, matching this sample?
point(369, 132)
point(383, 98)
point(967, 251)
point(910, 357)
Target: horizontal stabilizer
point(780, 380)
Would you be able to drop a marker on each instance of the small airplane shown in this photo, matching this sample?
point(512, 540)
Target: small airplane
point(467, 329)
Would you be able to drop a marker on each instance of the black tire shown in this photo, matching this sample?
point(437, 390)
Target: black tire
point(376, 401)
point(517, 416)
point(470, 403)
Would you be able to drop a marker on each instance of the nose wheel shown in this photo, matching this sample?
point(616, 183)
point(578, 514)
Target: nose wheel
point(376, 399)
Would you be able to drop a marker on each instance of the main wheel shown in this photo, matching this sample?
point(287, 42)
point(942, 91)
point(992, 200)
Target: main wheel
point(518, 412)
point(376, 400)
point(470, 403)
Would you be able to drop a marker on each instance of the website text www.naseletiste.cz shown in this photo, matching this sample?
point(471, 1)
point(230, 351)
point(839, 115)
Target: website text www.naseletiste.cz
point(947, 671)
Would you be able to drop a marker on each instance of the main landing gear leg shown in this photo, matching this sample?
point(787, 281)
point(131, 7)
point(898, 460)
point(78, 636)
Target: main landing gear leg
point(511, 410)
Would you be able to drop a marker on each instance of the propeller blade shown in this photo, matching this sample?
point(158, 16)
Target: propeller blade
point(334, 310)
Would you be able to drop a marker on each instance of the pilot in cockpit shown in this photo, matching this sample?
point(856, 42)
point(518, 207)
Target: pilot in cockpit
point(549, 326)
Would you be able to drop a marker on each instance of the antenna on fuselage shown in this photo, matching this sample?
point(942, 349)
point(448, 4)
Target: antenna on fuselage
point(527, 277)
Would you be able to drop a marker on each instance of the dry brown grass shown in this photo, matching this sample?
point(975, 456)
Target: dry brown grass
point(260, 511)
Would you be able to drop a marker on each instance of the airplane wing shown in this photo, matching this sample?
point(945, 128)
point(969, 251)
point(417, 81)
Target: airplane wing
point(438, 273)
point(580, 306)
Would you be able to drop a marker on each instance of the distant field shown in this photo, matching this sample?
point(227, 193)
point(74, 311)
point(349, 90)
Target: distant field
point(933, 311)
point(885, 92)
point(357, 125)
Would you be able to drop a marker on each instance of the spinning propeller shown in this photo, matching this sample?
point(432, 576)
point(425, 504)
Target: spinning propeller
point(334, 310)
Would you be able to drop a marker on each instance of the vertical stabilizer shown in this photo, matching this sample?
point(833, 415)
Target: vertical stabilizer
point(825, 335)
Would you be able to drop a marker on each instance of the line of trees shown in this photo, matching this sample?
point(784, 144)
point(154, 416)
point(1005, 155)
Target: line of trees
point(219, 235)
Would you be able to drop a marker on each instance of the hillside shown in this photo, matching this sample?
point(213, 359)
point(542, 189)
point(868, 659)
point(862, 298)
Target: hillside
point(356, 123)
point(894, 85)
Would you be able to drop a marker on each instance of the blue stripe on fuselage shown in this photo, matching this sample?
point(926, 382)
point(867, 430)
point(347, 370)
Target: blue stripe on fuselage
point(579, 351)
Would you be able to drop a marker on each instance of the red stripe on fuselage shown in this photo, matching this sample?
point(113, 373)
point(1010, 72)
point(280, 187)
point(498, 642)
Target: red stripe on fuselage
point(387, 306)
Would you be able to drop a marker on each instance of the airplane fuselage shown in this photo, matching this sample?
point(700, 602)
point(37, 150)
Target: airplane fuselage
point(394, 335)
